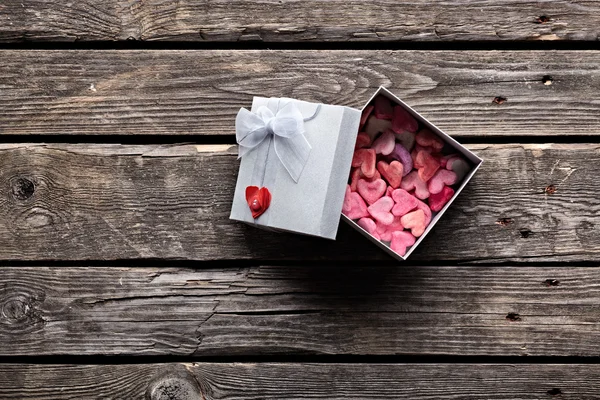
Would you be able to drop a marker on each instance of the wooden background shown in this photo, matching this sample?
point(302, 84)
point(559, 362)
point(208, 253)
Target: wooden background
point(121, 276)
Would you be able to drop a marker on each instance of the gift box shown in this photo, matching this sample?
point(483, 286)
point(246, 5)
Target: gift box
point(295, 161)
point(385, 114)
point(303, 163)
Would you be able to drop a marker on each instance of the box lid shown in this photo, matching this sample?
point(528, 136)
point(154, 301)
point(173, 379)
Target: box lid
point(313, 204)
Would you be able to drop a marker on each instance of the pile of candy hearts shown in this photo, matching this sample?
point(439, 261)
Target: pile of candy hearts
point(400, 175)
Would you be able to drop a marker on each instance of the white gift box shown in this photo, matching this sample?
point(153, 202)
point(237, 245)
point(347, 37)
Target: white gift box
point(308, 182)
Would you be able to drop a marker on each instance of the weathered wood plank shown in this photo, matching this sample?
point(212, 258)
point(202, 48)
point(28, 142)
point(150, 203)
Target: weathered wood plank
point(299, 381)
point(304, 21)
point(199, 92)
point(106, 202)
point(304, 309)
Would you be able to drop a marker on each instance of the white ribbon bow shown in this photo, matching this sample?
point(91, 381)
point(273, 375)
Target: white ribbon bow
point(287, 128)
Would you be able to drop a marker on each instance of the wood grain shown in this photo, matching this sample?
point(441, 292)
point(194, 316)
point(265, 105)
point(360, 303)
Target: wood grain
point(360, 309)
point(107, 202)
point(200, 92)
point(301, 381)
point(298, 21)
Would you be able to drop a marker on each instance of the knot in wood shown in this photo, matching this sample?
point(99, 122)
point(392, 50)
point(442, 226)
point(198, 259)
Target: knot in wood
point(174, 385)
point(15, 310)
point(19, 313)
point(22, 188)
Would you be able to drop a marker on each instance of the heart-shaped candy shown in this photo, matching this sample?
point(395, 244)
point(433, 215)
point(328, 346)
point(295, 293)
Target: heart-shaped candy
point(406, 139)
point(385, 143)
point(380, 210)
point(459, 166)
point(357, 174)
point(403, 121)
point(383, 108)
point(401, 154)
point(389, 191)
point(415, 221)
point(439, 200)
point(415, 151)
point(385, 231)
point(371, 191)
point(370, 226)
point(354, 206)
point(426, 138)
point(362, 140)
point(428, 165)
point(426, 210)
point(441, 178)
point(365, 159)
point(405, 202)
point(258, 199)
point(365, 114)
point(413, 181)
point(401, 240)
point(376, 125)
point(391, 172)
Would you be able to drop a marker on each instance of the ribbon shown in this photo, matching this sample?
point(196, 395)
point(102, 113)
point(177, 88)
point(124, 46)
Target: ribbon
point(287, 129)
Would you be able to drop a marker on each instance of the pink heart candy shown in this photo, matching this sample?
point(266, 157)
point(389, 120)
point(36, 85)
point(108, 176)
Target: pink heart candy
point(459, 166)
point(391, 172)
point(383, 108)
point(401, 154)
point(385, 231)
point(376, 125)
point(427, 165)
point(370, 226)
point(403, 121)
point(415, 221)
point(371, 191)
point(401, 240)
point(385, 143)
point(439, 200)
point(365, 114)
point(426, 210)
point(365, 159)
point(405, 202)
point(412, 181)
point(354, 206)
point(389, 191)
point(441, 178)
point(362, 140)
point(380, 210)
point(357, 174)
point(426, 138)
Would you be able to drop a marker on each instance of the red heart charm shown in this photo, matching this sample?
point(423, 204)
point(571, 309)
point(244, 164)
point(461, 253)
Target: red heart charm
point(258, 200)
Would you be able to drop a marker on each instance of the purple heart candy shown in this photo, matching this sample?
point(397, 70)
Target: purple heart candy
point(401, 154)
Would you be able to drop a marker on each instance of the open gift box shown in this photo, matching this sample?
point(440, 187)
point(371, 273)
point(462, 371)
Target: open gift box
point(301, 164)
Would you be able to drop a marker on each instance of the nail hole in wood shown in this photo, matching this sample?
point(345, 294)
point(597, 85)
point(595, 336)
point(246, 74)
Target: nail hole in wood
point(499, 100)
point(554, 392)
point(22, 188)
point(542, 19)
point(525, 233)
point(551, 282)
point(511, 316)
point(550, 189)
point(547, 80)
point(504, 221)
